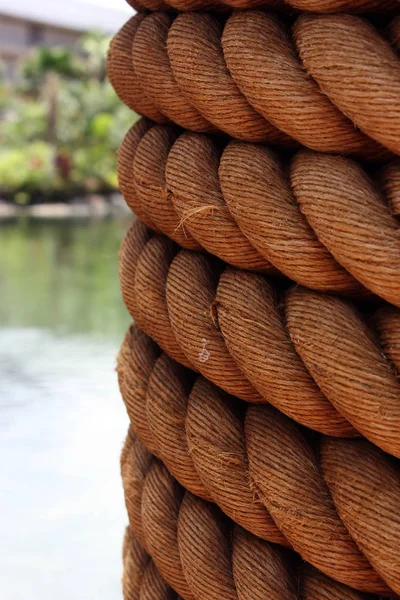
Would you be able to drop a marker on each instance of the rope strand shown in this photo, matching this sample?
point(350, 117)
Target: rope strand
point(319, 363)
point(190, 540)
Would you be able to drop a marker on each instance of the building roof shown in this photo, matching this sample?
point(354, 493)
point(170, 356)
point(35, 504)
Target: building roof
point(78, 15)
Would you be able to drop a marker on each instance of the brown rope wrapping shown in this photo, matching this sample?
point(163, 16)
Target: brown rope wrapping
point(125, 157)
point(149, 178)
point(248, 80)
point(394, 32)
point(141, 579)
point(310, 355)
point(215, 454)
point(322, 6)
point(325, 224)
point(365, 93)
point(191, 544)
point(197, 60)
point(390, 181)
point(331, 85)
point(122, 75)
point(154, 70)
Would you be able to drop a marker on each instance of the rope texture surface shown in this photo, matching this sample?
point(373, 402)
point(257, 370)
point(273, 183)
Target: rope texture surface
point(257, 78)
point(313, 356)
point(374, 7)
point(203, 555)
point(141, 579)
point(262, 459)
point(320, 220)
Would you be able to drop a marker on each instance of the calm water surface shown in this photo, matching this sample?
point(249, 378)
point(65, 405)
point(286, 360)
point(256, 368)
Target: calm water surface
point(62, 421)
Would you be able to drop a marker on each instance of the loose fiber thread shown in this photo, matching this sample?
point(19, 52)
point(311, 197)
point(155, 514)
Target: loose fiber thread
point(313, 357)
point(284, 98)
point(191, 545)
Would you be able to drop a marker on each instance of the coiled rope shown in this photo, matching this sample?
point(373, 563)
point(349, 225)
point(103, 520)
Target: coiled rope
point(141, 579)
point(377, 7)
point(262, 459)
point(255, 82)
point(312, 356)
point(198, 554)
point(318, 219)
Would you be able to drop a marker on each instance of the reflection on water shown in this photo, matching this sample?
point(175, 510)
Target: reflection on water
point(62, 421)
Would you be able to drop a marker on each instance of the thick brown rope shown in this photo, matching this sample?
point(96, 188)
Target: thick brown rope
point(290, 484)
point(387, 321)
point(312, 355)
point(320, 6)
point(361, 55)
point(155, 73)
point(191, 544)
point(215, 454)
point(280, 460)
point(260, 90)
point(265, 65)
point(122, 75)
point(390, 181)
point(325, 224)
point(151, 308)
point(375, 482)
point(125, 157)
point(354, 6)
point(141, 579)
point(149, 165)
point(197, 60)
point(198, 201)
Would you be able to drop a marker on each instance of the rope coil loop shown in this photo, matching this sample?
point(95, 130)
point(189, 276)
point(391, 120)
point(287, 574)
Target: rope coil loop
point(320, 220)
point(255, 82)
point(141, 579)
point(371, 7)
point(312, 355)
point(191, 542)
point(261, 376)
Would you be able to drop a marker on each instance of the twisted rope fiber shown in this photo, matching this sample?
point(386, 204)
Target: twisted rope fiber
point(311, 355)
point(141, 579)
point(122, 76)
point(326, 225)
point(251, 83)
point(194, 551)
point(337, 507)
point(209, 424)
point(323, 6)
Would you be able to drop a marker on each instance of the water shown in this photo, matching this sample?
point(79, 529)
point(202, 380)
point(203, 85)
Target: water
point(62, 421)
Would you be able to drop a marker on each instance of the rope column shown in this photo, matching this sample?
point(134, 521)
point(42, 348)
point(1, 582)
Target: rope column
point(262, 273)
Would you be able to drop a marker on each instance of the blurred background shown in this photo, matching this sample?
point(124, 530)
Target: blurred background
point(62, 421)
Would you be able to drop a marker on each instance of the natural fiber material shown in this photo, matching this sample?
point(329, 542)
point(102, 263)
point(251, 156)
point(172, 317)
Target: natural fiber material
point(365, 90)
point(122, 74)
point(247, 78)
point(153, 68)
point(316, 360)
point(261, 375)
point(202, 555)
point(141, 579)
point(322, 6)
point(197, 61)
point(319, 219)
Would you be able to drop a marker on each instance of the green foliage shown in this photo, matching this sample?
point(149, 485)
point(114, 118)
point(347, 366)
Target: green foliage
point(45, 60)
point(62, 124)
point(28, 169)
